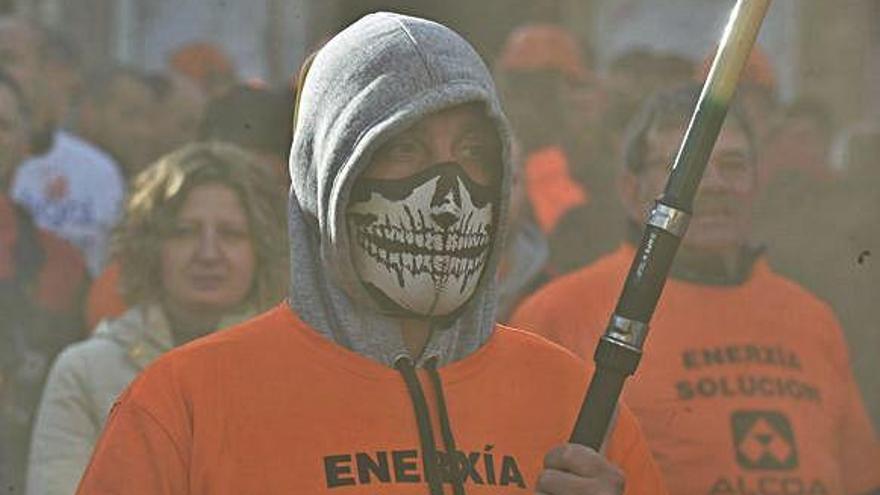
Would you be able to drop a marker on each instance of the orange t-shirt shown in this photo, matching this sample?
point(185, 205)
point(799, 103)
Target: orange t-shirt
point(549, 186)
point(742, 389)
point(61, 277)
point(271, 406)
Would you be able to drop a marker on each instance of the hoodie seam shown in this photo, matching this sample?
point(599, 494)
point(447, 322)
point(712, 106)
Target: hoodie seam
point(415, 45)
point(473, 362)
point(322, 344)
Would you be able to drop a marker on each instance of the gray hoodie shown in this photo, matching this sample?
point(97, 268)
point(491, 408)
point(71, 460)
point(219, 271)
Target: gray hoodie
point(375, 79)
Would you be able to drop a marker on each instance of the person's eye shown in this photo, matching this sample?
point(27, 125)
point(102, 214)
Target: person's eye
point(183, 231)
point(475, 150)
point(734, 164)
point(231, 232)
point(403, 150)
point(480, 146)
point(400, 157)
point(479, 157)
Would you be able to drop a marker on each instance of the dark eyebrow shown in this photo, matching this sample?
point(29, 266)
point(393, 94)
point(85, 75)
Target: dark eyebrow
point(411, 133)
point(476, 130)
point(481, 125)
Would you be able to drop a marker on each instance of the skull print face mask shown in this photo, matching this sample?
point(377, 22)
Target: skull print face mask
point(420, 244)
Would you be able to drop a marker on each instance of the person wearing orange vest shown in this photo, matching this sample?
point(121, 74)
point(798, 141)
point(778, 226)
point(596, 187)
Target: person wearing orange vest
point(384, 372)
point(744, 386)
point(537, 69)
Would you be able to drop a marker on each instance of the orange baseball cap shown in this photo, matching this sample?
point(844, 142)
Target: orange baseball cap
point(543, 47)
point(201, 60)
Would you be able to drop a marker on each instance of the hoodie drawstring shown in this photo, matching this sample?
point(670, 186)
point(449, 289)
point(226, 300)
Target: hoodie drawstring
point(431, 456)
point(454, 460)
point(426, 433)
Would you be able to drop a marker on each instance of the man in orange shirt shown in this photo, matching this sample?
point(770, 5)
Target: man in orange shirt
point(538, 69)
point(745, 386)
point(385, 372)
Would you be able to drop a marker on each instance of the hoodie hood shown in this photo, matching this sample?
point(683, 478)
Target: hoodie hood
point(373, 80)
point(526, 258)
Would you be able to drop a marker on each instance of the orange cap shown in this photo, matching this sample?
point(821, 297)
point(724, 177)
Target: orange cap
point(758, 70)
point(200, 60)
point(543, 47)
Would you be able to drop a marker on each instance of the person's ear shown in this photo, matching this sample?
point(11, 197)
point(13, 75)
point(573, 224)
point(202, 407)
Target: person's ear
point(630, 194)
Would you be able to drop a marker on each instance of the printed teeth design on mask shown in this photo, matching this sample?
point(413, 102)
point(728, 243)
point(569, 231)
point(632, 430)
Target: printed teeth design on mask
point(459, 254)
point(425, 252)
point(394, 238)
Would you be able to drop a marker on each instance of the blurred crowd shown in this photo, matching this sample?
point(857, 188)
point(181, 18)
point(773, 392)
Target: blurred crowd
point(140, 210)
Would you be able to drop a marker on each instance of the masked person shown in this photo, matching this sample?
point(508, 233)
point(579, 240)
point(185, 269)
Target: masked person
point(745, 384)
point(385, 371)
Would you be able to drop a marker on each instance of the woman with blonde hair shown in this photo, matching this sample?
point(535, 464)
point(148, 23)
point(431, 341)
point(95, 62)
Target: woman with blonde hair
point(202, 246)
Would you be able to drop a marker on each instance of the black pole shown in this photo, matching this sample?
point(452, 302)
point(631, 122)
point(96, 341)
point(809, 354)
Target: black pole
point(619, 351)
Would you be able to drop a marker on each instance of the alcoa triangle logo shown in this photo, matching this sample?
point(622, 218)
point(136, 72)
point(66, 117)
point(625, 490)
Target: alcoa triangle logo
point(764, 440)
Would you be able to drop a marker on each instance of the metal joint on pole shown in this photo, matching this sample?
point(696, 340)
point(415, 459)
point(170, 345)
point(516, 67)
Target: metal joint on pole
point(620, 349)
point(672, 220)
point(627, 332)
